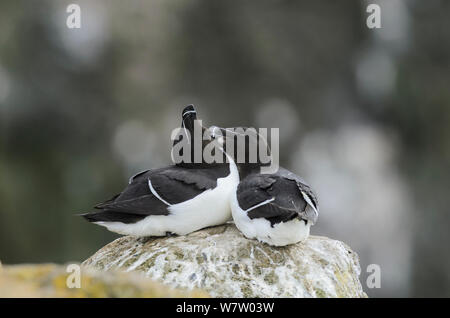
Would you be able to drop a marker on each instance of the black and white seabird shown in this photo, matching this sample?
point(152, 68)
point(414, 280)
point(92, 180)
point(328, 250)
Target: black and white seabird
point(277, 208)
point(178, 199)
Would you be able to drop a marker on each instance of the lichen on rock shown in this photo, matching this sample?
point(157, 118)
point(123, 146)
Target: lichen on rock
point(50, 280)
point(224, 263)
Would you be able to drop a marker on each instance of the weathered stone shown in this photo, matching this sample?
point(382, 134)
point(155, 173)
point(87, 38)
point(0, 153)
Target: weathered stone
point(50, 280)
point(222, 262)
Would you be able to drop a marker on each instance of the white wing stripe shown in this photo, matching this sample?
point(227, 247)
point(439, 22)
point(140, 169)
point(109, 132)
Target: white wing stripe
point(308, 200)
point(156, 194)
point(259, 204)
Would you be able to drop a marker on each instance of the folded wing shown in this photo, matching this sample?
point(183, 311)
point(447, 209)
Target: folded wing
point(152, 192)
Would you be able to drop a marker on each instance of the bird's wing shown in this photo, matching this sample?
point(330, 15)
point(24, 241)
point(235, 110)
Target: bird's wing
point(152, 192)
point(303, 187)
point(256, 196)
point(274, 198)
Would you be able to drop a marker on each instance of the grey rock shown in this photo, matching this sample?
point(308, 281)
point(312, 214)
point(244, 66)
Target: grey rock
point(223, 263)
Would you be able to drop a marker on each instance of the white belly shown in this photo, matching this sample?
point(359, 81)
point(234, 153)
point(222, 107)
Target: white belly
point(280, 234)
point(211, 207)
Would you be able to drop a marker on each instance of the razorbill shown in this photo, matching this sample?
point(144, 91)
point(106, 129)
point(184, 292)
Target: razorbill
point(177, 199)
point(277, 208)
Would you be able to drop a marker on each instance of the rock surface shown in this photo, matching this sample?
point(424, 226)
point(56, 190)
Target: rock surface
point(224, 263)
point(49, 280)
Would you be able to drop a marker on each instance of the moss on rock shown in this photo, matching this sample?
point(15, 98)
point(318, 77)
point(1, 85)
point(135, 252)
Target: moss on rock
point(50, 280)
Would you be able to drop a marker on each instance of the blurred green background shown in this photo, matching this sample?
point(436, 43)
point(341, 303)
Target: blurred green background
point(363, 115)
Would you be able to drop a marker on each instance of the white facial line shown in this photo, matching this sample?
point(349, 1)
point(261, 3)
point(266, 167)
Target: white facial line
point(233, 132)
point(187, 135)
point(259, 204)
point(156, 194)
point(308, 200)
point(184, 127)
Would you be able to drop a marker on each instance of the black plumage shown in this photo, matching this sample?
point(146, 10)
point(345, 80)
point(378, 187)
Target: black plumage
point(284, 190)
point(189, 125)
point(173, 184)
